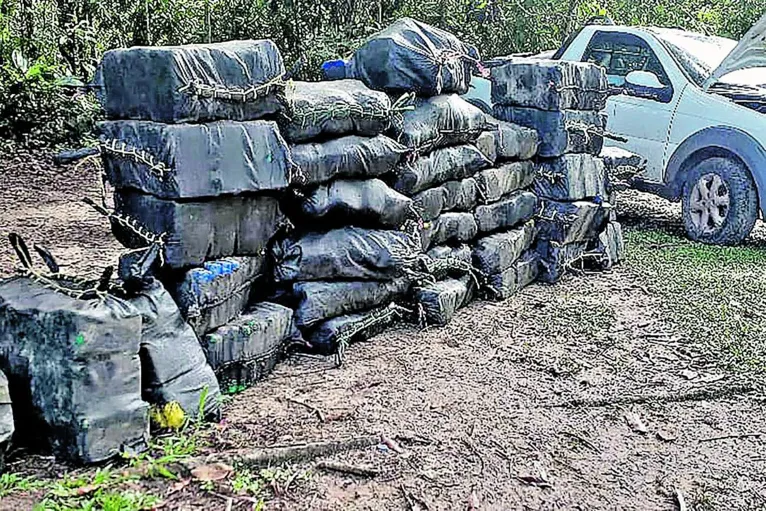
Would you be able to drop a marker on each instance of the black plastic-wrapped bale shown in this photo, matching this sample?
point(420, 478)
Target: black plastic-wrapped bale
point(450, 228)
point(248, 348)
point(333, 109)
point(181, 161)
point(505, 141)
point(440, 166)
point(429, 204)
point(439, 121)
point(76, 366)
point(461, 195)
point(549, 84)
point(496, 253)
point(509, 212)
point(318, 301)
point(572, 177)
point(519, 275)
point(327, 336)
point(363, 203)
point(572, 222)
point(561, 132)
point(7, 426)
point(347, 157)
point(212, 296)
point(610, 247)
point(349, 253)
point(200, 231)
point(237, 80)
point(173, 365)
point(460, 253)
point(556, 259)
point(410, 56)
point(441, 300)
point(495, 183)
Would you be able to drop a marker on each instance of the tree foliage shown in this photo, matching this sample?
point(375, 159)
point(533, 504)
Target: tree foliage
point(46, 42)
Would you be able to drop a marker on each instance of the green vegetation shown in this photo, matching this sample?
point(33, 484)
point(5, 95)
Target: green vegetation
point(47, 46)
point(713, 294)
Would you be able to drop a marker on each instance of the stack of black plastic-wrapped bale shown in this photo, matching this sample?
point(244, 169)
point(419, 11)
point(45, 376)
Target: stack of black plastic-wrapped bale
point(440, 133)
point(563, 102)
point(197, 170)
point(351, 255)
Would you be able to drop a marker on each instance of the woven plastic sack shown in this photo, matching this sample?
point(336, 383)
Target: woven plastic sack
point(195, 160)
point(237, 80)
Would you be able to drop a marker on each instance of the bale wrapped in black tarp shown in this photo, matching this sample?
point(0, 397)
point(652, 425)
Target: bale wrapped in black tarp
point(459, 253)
point(336, 108)
point(199, 231)
point(248, 348)
point(363, 203)
point(509, 212)
point(332, 335)
point(237, 80)
point(505, 141)
point(173, 365)
point(410, 56)
point(182, 161)
point(74, 370)
point(496, 253)
point(572, 222)
point(211, 296)
point(449, 228)
point(572, 177)
point(349, 253)
point(561, 132)
point(461, 195)
point(6, 411)
point(429, 204)
point(440, 166)
point(441, 300)
point(549, 84)
point(351, 156)
point(609, 249)
point(495, 183)
point(439, 121)
point(519, 275)
point(556, 259)
point(318, 301)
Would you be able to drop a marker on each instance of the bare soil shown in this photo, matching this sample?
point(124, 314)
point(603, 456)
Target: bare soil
point(579, 396)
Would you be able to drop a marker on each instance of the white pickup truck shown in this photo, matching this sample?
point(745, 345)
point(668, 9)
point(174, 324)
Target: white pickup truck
point(694, 107)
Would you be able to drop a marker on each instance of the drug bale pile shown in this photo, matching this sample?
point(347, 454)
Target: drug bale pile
point(563, 102)
point(198, 164)
point(353, 248)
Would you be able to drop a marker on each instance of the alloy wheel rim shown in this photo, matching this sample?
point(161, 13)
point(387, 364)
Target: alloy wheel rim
point(710, 203)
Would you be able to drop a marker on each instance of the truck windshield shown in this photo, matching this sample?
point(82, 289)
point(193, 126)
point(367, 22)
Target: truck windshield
point(698, 55)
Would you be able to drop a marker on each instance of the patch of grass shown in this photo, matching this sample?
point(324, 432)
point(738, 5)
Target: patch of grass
point(12, 483)
point(103, 500)
point(713, 294)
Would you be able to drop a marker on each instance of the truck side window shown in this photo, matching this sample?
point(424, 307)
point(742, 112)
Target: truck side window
point(620, 54)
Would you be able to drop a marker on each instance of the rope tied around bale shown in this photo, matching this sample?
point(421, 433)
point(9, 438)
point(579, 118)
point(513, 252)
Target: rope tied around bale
point(234, 94)
point(118, 148)
point(342, 110)
point(375, 318)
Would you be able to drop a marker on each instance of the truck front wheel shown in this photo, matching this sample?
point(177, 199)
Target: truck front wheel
point(720, 202)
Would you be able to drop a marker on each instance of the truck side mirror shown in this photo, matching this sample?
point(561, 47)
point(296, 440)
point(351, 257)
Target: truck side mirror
point(645, 84)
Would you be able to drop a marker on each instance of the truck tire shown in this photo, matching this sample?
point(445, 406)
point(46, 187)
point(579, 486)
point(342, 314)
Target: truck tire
point(720, 202)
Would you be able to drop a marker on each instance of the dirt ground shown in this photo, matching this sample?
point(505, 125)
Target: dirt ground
point(579, 396)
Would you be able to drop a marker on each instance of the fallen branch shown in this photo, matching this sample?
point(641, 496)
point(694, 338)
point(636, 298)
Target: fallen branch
point(345, 468)
point(665, 397)
point(314, 409)
point(291, 453)
point(728, 437)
